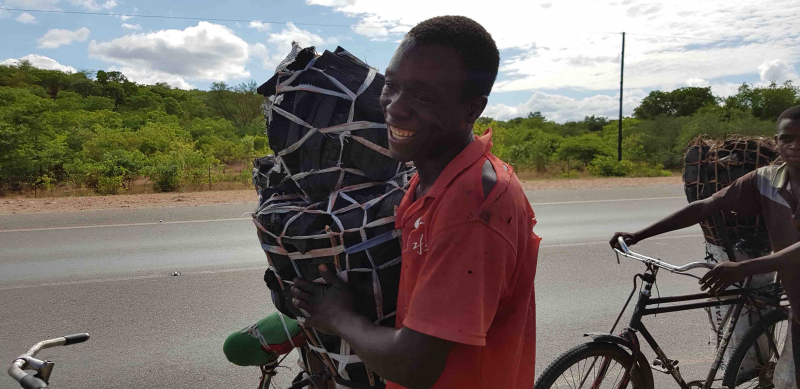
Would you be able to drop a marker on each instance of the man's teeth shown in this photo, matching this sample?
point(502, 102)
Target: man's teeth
point(401, 134)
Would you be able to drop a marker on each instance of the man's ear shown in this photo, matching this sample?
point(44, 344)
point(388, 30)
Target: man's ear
point(475, 108)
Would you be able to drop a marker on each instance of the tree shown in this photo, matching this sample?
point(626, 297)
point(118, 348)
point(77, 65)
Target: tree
point(584, 148)
point(679, 102)
point(595, 124)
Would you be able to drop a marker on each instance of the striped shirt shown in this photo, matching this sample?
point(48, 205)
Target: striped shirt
point(765, 192)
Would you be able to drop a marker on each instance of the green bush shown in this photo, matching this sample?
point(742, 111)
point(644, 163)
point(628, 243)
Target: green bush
point(645, 170)
point(109, 185)
point(605, 166)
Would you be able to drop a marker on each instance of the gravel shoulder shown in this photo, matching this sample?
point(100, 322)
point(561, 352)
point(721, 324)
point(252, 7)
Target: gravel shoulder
point(19, 205)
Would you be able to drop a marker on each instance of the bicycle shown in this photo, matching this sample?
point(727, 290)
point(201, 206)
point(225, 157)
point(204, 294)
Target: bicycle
point(615, 361)
point(44, 368)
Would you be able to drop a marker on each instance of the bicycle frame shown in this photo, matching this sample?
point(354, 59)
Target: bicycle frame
point(644, 307)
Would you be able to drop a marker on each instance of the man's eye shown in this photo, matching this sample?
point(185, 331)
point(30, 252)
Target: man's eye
point(422, 98)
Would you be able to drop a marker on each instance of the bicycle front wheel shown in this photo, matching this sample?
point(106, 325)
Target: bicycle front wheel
point(753, 362)
point(593, 365)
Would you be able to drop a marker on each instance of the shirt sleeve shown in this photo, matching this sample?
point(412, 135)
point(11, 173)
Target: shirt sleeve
point(742, 197)
point(466, 272)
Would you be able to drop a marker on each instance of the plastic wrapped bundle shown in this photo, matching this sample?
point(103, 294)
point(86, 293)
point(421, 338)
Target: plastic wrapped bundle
point(353, 231)
point(712, 165)
point(268, 181)
point(325, 123)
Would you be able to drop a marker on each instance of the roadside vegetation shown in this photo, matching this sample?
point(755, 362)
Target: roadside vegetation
point(654, 139)
point(99, 133)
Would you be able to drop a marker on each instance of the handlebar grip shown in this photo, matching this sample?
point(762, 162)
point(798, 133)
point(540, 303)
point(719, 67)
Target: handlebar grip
point(76, 338)
point(32, 382)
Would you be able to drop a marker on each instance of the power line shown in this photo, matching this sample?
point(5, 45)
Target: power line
point(351, 25)
point(193, 18)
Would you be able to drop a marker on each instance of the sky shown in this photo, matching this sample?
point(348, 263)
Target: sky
point(561, 58)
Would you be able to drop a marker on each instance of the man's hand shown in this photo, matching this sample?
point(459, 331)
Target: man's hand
point(723, 275)
point(629, 238)
point(323, 305)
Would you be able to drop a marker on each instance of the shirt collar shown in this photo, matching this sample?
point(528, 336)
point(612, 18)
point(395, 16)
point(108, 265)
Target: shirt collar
point(781, 177)
point(476, 149)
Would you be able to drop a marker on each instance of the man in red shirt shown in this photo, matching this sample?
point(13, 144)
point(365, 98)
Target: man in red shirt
point(465, 311)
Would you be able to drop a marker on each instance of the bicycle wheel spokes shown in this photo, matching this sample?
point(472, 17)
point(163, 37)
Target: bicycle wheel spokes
point(592, 373)
point(756, 369)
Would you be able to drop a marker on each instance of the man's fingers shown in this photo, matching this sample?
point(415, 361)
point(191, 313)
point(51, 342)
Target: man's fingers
point(301, 294)
point(709, 274)
point(302, 306)
point(329, 275)
point(303, 285)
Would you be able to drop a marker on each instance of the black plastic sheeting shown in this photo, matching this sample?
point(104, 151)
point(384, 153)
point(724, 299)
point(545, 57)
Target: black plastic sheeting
point(322, 151)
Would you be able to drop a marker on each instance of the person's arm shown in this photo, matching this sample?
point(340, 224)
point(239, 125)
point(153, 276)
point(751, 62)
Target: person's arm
point(406, 357)
point(742, 197)
point(691, 214)
point(726, 273)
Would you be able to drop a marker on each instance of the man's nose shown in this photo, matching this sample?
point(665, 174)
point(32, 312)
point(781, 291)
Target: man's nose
point(397, 108)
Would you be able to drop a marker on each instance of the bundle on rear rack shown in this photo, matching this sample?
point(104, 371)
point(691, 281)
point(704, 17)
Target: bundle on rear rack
point(330, 193)
point(710, 166)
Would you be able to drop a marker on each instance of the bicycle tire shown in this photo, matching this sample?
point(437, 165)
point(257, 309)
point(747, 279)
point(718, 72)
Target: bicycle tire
point(554, 374)
point(763, 374)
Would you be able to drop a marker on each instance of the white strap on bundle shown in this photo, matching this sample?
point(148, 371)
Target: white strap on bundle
point(343, 360)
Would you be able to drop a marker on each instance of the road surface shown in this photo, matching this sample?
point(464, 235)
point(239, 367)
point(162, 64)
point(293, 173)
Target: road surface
point(108, 273)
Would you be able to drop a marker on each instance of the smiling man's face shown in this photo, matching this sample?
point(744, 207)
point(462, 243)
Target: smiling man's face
point(788, 138)
point(422, 101)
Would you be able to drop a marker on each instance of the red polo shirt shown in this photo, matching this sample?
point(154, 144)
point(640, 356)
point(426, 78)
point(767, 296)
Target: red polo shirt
point(469, 262)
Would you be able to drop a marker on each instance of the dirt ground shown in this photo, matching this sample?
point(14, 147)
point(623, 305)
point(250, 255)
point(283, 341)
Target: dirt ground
point(16, 205)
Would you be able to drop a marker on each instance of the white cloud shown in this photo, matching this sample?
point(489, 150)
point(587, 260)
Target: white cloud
point(777, 70)
point(47, 5)
point(56, 38)
point(568, 49)
point(26, 18)
point(331, 3)
point(92, 5)
point(208, 51)
point(131, 26)
point(125, 17)
point(149, 77)
point(696, 82)
point(283, 40)
point(258, 25)
point(268, 61)
point(727, 89)
point(562, 108)
point(373, 27)
point(40, 62)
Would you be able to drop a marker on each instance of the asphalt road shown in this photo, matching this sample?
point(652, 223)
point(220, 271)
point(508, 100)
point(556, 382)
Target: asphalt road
point(108, 273)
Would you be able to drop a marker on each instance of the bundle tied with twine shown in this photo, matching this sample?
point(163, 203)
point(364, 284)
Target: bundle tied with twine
point(711, 165)
point(330, 192)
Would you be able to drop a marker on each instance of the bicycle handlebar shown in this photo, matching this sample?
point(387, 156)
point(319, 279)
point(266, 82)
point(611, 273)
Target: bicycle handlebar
point(43, 368)
point(626, 252)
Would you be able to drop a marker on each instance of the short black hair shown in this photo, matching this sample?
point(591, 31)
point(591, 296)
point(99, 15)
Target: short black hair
point(478, 51)
point(791, 113)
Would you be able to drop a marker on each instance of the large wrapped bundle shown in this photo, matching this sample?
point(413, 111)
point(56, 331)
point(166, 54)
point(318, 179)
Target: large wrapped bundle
point(711, 165)
point(330, 193)
point(325, 123)
point(352, 231)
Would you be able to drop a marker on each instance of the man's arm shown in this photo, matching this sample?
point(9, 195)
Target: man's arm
point(687, 216)
point(726, 273)
point(406, 357)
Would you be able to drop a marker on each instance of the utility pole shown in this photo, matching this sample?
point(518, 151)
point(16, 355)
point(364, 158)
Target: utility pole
point(621, 76)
